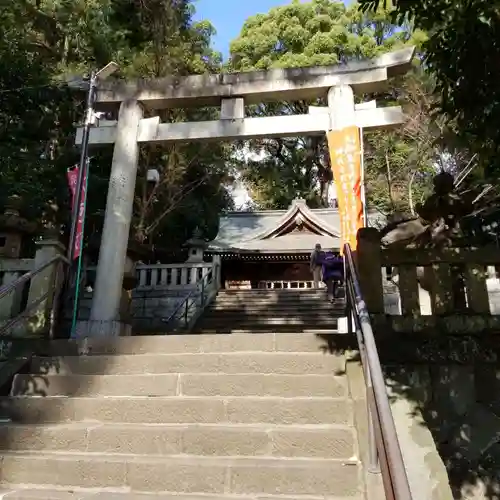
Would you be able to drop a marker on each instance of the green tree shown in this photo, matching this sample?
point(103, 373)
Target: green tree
point(304, 34)
point(401, 164)
point(36, 115)
point(164, 41)
point(462, 52)
point(45, 42)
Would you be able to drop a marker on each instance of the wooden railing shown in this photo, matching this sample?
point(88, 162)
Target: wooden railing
point(49, 294)
point(159, 290)
point(171, 276)
point(277, 284)
point(424, 282)
point(11, 269)
point(442, 282)
point(270, 285)
point(10, 272)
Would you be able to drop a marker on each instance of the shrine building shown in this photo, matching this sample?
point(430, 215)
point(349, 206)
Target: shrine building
point(272, 248)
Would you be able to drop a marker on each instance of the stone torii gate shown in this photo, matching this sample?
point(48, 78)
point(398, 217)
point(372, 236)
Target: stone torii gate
point(231, 92)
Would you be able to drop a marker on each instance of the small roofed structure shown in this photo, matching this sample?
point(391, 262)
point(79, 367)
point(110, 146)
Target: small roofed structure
point(14, 229)
point(196, 245)
point(272, 248)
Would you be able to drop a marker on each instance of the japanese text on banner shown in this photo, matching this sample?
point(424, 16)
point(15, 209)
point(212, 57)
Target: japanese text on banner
point(72, 176)
point(345, 155)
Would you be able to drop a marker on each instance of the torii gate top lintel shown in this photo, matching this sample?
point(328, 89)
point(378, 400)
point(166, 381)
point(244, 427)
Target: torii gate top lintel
point(233, 91)
point(258, 86)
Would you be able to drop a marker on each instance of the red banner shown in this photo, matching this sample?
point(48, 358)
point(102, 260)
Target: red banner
point(72, 176)
point(345, 155)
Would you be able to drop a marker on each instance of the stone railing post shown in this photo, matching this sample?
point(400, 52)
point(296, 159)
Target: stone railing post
point(43, 284)
point(369, 266)
point(13, 228)
point(216, 260)
point(129, 283)
point(10, 305)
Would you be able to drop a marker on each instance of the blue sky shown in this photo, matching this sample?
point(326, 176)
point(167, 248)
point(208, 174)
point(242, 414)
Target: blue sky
point(228, 16)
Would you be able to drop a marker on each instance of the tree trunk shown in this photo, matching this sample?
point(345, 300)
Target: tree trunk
point(389, 180)
point(410, 193)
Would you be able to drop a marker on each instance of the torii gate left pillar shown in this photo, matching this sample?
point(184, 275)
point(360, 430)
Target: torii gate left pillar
point(104, 314)
point(230, 92)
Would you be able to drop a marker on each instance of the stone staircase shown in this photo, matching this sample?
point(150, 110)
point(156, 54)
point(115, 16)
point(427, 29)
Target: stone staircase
point(267, 416)
point(249, 311)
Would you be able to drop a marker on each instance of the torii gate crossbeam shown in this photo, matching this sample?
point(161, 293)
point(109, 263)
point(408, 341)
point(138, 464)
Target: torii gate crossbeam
point(151, 130)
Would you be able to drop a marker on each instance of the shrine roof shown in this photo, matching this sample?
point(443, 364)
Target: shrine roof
point(278, 230)
point(296, 230)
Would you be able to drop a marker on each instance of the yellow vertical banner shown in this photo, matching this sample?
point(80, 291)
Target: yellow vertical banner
point(345, 156)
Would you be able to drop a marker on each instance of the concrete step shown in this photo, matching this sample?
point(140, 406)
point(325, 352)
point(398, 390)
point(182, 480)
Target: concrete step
point(221, 327)
point(20, 492)
point(216, 329)
point(266, 311)
point(275, 293)
point(268, 362)
point(200, 329)
point(272, 319)
point(181, 384)
point(179, 409)
point(285, 310)
point(276, 299)
point(186, 344)
point(278, 302)
point(318, 303)
point(277, 312)
point(292, 310)
point(254, 291)
point(196, 440)
point(218, 476)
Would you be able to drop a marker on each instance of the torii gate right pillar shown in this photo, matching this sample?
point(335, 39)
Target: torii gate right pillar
point(345, 149)
point(341, 107)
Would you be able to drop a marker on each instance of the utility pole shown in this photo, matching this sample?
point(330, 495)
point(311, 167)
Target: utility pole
point(79, 209)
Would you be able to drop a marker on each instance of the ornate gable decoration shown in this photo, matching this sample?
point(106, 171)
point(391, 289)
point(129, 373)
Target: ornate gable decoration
point(298, 219)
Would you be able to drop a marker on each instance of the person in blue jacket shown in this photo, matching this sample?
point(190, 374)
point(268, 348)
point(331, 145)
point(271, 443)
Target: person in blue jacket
point(333, 273)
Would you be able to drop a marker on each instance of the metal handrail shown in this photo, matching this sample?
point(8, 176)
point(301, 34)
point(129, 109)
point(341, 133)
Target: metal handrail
point(185, 302)
point(10, 287)
point(383, 440)
point(6, 289)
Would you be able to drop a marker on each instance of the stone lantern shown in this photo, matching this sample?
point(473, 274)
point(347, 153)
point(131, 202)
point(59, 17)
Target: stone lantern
point(196, 246)
point(13, 228)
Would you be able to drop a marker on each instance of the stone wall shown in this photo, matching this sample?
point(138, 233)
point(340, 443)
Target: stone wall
point(160, 291)
point(444, 391)
point(149, 308)
point(448, 423)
